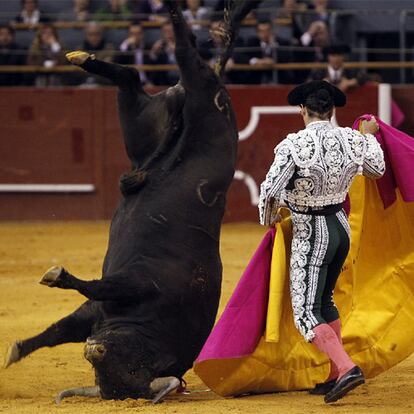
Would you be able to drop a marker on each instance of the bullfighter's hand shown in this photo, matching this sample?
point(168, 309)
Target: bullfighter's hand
point(278, 218)
point(370, 127)
point(78, 57)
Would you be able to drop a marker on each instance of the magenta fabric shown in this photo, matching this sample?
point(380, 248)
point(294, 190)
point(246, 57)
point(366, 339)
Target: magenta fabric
point(399, 158)
point(242, 323)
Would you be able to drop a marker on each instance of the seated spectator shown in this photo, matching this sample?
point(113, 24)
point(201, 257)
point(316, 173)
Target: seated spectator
point(314, 40)
point(263, 53)
point(95, 42)
point(46, 50)
point(335, 72)
point(149, 10)
point(114, 10)
point(316, 36)
point(11, 54)
point(195, 12)
point(320, 8)
point(163, 53)
point(211, 49)
point(134, 51)
point(318, 11)
point(79, 13)
point(31, 14)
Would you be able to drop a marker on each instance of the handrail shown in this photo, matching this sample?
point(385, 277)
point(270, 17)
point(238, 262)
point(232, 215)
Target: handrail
point(126, 23)
point(241, 67)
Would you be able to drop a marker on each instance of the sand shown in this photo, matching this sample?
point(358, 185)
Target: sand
point(26, 308)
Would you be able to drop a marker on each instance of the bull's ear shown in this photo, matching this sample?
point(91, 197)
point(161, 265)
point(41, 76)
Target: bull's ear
point(163, 362)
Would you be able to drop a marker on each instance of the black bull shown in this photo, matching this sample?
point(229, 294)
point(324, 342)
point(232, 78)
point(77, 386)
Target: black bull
point(148, 317)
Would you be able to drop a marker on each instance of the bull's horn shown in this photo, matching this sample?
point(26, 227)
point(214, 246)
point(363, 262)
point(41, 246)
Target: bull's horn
point(78, 392)
point(13, 354)
point(163, 386)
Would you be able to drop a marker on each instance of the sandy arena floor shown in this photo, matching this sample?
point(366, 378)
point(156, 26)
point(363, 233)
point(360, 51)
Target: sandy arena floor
point(26, 308)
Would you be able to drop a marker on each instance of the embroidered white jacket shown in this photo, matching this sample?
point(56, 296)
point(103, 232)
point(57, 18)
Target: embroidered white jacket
point(315, 167)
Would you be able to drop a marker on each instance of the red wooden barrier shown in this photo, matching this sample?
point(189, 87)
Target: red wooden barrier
point(72, 136)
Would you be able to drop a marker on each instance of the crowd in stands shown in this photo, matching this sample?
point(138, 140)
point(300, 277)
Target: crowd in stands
point(308, 39)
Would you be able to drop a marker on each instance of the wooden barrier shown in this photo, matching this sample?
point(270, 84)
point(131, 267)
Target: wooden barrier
point(61, 69)
point(66, 144)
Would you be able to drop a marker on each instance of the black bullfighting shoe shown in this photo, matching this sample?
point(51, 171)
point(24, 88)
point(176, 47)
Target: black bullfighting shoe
point(323, 387)
point(352, 379)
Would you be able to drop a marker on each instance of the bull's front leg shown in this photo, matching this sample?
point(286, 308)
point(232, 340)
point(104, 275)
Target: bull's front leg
point(121, 286)
point(74, 328)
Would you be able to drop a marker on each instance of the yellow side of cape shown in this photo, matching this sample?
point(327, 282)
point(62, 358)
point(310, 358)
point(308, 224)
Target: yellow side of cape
point(374, 294)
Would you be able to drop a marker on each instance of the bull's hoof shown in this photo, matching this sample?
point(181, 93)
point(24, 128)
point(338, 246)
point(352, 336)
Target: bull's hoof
point(13, 354)
point(52, 276)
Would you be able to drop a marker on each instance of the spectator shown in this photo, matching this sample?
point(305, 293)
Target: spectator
point(313, 42)
point(96, 44)
point(163, 53)
point(335, 72)
point(149, 10)
point(31, 14)
point(211, 49)
point(296, 12)
point(79, 13)
point(264, 53)
point(195, 12)
point(316, 36)
point(11, 54)
point(114, 10)
point(318, 11)
point(320, 8)
point(46, 50)
point(134, 51)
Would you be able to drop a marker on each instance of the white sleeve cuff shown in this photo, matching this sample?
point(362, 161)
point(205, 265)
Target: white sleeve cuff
point(56, 47)
point(124, 46)
point(306, 39)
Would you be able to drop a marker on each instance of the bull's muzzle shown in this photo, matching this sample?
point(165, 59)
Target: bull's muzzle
point(94, 351)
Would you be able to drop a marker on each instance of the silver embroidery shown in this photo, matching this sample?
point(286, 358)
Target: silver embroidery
point(326, 160)
point(278, 176)
point(344, 221)
point(302, 232)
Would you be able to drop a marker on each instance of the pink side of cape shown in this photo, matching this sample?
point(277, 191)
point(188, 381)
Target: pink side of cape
point(399, 157)
point(240, 327)
point(242, 323)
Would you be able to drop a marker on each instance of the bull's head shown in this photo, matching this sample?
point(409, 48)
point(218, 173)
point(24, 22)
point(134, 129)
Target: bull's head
point(126, 367)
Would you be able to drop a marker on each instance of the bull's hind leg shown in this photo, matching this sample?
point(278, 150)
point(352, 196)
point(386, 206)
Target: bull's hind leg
point(121, 286)
point(196, 75)
point(124, 77)
point(74, 328)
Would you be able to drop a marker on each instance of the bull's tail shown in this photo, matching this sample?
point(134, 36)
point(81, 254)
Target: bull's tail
point(234, 13)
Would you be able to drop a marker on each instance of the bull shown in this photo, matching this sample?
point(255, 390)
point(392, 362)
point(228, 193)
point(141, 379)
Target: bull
point(147, 318)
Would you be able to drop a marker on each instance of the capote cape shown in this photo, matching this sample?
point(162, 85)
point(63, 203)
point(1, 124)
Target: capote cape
point(255, 347)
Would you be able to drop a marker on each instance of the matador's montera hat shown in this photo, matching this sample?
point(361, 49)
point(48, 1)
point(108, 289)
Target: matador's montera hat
point(298, 95)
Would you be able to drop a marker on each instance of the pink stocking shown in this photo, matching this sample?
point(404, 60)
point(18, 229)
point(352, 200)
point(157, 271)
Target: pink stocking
point(327, 341)
point(336, 326)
